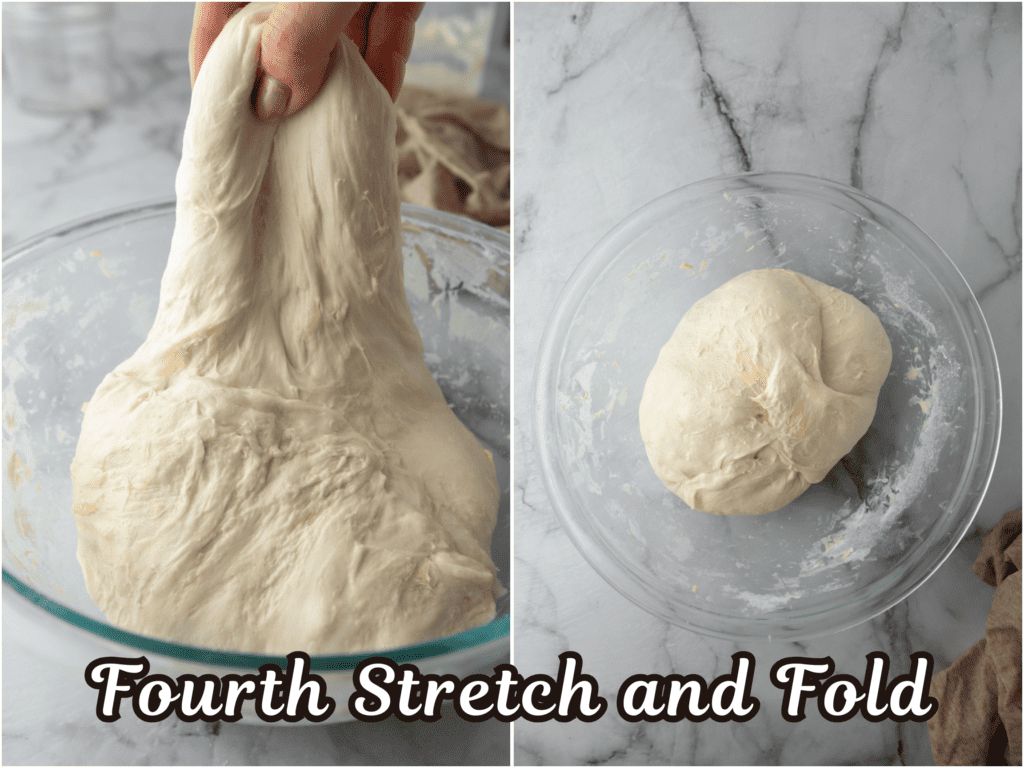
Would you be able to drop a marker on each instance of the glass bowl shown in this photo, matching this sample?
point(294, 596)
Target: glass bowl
point(79, 299)
point(886, 516)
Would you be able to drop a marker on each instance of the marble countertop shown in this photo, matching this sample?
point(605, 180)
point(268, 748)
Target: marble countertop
point(56, 170)
point(616, 104)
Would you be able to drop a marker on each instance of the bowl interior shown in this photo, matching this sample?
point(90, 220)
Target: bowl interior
point(78, 301)
point(887, 514)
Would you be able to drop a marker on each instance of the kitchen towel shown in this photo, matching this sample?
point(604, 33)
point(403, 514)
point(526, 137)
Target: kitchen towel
point(453, 154)
point(979, 717)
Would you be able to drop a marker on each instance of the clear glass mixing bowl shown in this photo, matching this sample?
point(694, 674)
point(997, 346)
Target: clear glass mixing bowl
point(79, 299)
point(851, 546)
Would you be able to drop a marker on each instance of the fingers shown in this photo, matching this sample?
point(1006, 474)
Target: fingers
point(358, 27)
point(298, 39)
point(389, 42)
point(208, 21)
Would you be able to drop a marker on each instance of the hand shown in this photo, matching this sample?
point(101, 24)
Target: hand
point(298, 39)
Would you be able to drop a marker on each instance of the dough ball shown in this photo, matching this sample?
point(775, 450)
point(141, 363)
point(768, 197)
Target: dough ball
point(765, 384)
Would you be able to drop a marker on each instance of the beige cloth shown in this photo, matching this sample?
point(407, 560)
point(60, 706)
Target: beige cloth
point(454, 154)
point(979, 717)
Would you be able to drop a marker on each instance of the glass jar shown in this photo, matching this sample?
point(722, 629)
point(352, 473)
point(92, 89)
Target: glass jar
point(59, 57)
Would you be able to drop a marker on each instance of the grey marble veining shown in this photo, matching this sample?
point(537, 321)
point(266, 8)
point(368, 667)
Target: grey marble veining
point(616, 104)
point(56, 170)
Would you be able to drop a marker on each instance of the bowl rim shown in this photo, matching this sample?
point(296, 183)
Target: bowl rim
point(493, 635)
point(159, 205)
point(551, 350)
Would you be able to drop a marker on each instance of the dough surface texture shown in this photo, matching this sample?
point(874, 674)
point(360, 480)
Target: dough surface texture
point(275, 469)
point(765, 384)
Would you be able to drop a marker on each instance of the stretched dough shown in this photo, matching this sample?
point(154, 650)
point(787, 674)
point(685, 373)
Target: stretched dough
point(765, 384)
point(275, 469)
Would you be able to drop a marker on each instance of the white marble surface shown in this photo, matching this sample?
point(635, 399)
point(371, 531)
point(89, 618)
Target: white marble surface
point(618, 103)
point(57, 170)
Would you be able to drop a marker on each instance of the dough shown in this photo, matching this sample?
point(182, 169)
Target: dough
point(275, 469)
point(765, 384)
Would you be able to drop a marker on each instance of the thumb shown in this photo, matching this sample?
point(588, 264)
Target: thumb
point(295, 51)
